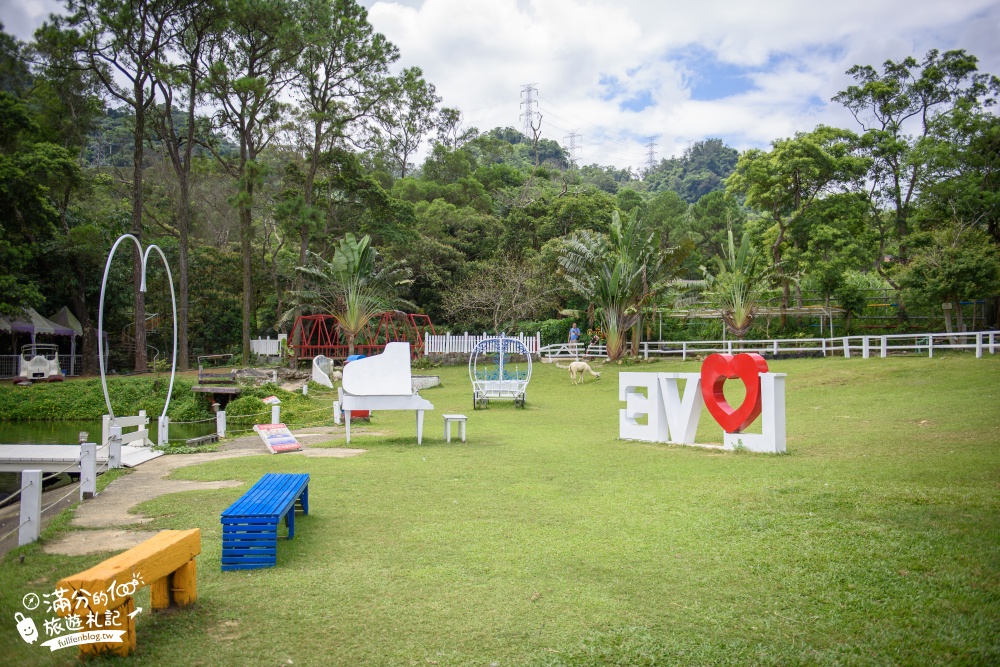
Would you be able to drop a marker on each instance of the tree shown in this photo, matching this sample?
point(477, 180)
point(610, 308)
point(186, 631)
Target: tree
point(621, 273)
point(30, 172)
point(66, 100)
point(785, 183)
point(501, 292)
point(739, 284)
point(906, 95)
point(354, 286)
point(180, 85)
point(249, 64)
point(405, 117)
point(951, 265)
point(123, 44)
point(341, 75)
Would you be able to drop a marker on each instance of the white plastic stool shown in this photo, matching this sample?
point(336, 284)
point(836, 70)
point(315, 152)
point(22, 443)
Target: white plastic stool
point(448, 419)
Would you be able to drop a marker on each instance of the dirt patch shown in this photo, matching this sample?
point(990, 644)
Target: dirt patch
point(226, 631)
point(82, 542)
point(335, 452)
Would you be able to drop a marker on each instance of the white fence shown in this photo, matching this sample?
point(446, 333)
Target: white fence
point(847, 346)
point(265, 347)
point(464, 343)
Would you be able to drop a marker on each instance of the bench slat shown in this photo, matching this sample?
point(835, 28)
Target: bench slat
point(250, 525)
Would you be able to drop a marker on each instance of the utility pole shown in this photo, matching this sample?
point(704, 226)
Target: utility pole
point(573, 147)
point(650, 155)
point(528, 101)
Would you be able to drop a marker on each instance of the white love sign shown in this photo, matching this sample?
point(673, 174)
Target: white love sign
point(658, 409)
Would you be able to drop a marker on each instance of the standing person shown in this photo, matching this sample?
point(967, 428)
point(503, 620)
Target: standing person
point(574, 339)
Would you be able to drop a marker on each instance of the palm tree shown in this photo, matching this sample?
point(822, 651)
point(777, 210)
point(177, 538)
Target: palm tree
point(354, 287)
point(621, 273)
point(739, 286)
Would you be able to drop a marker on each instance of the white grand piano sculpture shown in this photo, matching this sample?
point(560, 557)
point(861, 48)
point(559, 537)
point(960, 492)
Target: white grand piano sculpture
point(382, 382)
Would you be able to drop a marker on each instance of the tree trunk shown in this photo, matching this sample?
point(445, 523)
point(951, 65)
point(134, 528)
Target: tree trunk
point(184, 224)
point(139, 301)
point(246, 234)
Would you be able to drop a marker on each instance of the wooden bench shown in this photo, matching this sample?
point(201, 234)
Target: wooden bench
point(164, 562)
point(250, 525)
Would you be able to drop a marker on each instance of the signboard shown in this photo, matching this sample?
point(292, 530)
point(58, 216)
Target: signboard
point(278, 438)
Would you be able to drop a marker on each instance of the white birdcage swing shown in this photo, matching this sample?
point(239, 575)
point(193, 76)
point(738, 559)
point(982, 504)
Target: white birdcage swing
point(495, 373)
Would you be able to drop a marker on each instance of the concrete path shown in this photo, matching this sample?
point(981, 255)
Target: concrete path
point(109, 517)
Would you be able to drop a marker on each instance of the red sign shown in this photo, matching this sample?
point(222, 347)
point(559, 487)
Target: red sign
point(718, 368)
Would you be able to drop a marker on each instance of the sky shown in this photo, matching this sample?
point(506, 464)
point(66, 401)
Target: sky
point(623, 73)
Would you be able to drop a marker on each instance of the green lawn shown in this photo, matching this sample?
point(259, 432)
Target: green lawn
point(544, 540)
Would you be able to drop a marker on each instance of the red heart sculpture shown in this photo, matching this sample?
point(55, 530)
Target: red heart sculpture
point(718, 368)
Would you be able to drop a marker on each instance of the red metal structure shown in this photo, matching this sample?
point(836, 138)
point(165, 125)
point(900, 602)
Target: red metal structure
point(318, 334)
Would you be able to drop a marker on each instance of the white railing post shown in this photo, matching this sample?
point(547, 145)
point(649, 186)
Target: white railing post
point(824, 346)
point(847, 348)
point(885, 347)
point(729, 344)
point(979, 345)
point(88, 470)
point(930, 346)
point(115, 448)
point(775, 347)
point(447, 342)
point(865, 346)
point(992, 343)
point(645, 349)
point(162, 431)
point(275, 414)
point(684, 351)
point(220, 423)
point(31, 507)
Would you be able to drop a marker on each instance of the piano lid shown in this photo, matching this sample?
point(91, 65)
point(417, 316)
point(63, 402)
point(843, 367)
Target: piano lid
point(386, 374)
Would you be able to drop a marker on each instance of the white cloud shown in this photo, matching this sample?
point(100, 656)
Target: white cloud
point(480, 52)
point(588, 57)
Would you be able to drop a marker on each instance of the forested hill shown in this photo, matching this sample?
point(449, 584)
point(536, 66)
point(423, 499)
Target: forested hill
point(278, 154)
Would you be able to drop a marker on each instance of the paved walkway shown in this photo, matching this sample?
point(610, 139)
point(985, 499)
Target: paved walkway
point(109, 516)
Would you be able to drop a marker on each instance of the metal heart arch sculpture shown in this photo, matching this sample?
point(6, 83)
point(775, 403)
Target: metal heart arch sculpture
point(142, 288)
point(715, 370)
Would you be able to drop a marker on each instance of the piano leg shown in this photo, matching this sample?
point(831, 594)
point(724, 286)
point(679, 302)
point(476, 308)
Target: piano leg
point(347, 423)
point(420, 426)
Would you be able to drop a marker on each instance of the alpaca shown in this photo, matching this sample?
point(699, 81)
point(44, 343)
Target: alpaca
point(577, 370)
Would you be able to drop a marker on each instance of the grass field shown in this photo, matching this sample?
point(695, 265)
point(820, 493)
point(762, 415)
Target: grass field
point(545, 540)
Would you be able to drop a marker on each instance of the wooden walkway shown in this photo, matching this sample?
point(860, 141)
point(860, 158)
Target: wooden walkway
point(56, 458)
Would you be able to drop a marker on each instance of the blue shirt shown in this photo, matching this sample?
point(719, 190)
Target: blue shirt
point(574, 333)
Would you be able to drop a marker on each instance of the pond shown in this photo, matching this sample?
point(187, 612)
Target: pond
point(68, 432)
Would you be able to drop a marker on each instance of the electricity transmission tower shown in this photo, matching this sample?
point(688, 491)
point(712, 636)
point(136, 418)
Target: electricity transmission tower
point(573, 146)
point(528, 101)
point(650, 155)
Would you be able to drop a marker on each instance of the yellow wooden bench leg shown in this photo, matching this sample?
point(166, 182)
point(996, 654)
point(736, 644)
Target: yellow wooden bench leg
point(122, 622)
point(159, 594)
point(184, 584)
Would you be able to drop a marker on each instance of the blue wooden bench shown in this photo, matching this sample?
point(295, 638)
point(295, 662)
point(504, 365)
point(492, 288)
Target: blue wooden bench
point(250, 525)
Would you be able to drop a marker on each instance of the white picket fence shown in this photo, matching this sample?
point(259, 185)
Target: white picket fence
point(265, 347)
point(464, 343)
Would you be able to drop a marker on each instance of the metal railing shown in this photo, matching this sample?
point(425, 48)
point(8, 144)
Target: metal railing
point(10, 365)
